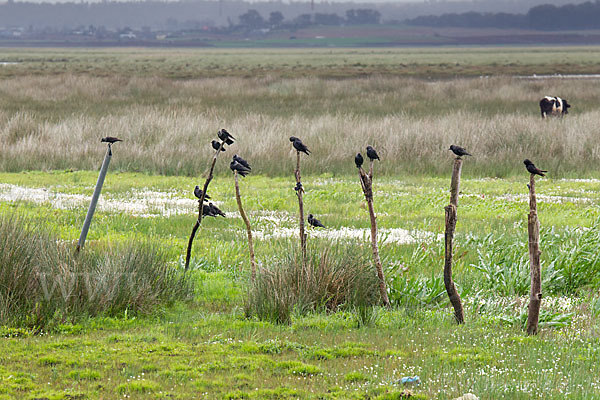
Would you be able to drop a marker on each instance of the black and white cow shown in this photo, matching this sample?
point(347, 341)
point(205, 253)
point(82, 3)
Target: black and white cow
point(554, 106)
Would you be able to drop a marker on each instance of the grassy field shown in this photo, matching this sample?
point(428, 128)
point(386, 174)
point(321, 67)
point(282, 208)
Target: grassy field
point(167, 123)
point(210, 345)
point(436, 62)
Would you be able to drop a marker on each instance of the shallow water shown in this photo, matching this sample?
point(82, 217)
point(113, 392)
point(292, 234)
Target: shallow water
point(147, 203)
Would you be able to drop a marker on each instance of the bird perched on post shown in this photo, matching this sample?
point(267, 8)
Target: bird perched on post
point(299, 146)
point(532, 169)
point(315, 222)
point(216, 145)
point(198, 193)
point(110, 140)
point(459, 151)
point(237, 166)
point(242, 161)
point(215, 210)
point(358, 160)
point(225, 136)
point(372, 154)
point(210, 210)
point(207, 212)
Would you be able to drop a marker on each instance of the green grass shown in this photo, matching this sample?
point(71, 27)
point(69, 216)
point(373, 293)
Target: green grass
point(188, 352)
point(208, 346)
point(331, 62)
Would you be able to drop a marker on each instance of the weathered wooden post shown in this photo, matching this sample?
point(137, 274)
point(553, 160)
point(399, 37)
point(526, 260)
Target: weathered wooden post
point(299, 192)
point(95, 197)
point(366, 182)
point(451, 211)
point(533, 228)
point(247, 222)
point(201, 202)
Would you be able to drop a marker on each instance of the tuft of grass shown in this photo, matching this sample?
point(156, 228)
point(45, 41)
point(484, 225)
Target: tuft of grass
point(138, 386)
point(44, 283)
point(356, 377)
point(334, 277)
point(570, 261)
point(298, 368)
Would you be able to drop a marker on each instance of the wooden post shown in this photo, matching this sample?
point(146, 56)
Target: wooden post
point(247, 222)
point(366, 182)
point(299, 193)
point(448, 238)
point(533, 228)
point(201, 202)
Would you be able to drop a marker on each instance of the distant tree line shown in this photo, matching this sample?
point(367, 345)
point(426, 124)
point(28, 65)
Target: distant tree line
point(252, 19)
point(546, 17)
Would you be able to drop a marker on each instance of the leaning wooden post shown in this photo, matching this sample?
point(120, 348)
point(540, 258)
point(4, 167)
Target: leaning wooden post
point(299, 192)
point(201, 202)
point(533, 227)
point(449, 237)
point(247, 222)
point(95, 197)
point(366, 182)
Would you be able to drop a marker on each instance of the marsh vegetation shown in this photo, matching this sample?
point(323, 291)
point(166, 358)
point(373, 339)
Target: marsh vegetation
point(295, 332)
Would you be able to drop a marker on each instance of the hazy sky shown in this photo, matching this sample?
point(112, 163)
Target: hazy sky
point(253, 1)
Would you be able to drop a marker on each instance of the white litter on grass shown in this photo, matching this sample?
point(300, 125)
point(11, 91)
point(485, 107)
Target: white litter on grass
point(542, 198)
point(584, 180)
point(394, 235)
point(149, 204)
point(141, 203)
point(559, 76)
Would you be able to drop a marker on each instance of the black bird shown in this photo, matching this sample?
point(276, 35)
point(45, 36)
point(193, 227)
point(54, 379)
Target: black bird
point(198, 193)
point(207, 211)
point(225, 136)
point(110, 139)
point(242, 161)
point(298, 186)
point(236, 166)
point(459, 151)
point(216, 145)
point(358, 160)
point(215, 210)
point(533, 169)
point(372, 154)
point(315, 222)
point(299, 146)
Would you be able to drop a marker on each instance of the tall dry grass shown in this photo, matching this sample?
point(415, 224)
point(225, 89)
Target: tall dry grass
point(43, 282)
point(334, 277)
point(57, 123)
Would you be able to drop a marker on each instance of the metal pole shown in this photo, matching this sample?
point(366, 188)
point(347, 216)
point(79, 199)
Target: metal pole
point(95, 196)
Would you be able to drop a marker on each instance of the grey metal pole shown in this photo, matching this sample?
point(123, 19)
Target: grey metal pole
point(95, 196)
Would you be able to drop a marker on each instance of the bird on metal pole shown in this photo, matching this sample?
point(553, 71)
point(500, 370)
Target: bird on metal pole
point(110, 140)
